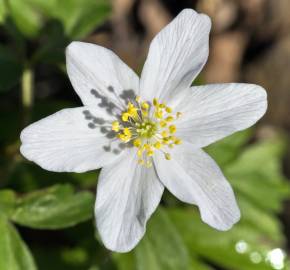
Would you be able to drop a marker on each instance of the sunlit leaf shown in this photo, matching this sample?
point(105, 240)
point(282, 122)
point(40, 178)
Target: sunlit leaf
point(228, 149)
point(14, 254)
point(54, 208)
point(162, 247)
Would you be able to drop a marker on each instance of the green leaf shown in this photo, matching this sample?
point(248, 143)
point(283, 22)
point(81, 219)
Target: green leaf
point(215, 246)
point(54, 208)
point(257, 173)
point(162, 247)
point(84, 15)
point(3, 11)
point(7, 202)
point(228, 149)
point(14, 254)
point(27, 19)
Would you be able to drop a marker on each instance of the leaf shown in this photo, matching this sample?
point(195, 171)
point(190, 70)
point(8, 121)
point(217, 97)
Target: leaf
point(257, 173)
point(162, 247)
point(215, 246)
point(54, 208)
point(27, 19)
point(84, 15)
point(3, 11)
point(14, 254)
point(226, 150)
point(7, 202)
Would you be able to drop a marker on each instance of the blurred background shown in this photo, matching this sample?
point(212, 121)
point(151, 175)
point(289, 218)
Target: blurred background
point(46, 219)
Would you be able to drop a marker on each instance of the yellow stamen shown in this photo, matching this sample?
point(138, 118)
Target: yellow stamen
point(172, 129)
point(125, 116)
point(163, 123)
point(127, 132)
point(167, 156)
point(157, 145)
point(115, 126)
point(168, 110)
point(145, 105)
point(137, 142)
point(164, 134)
point(169, 118)
point(177, 141)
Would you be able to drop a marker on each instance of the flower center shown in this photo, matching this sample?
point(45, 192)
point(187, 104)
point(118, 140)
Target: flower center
point(149, 127)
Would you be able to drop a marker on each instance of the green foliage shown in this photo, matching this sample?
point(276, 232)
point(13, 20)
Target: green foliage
point(162, 247)
point(37, 31)
point(14, 254)
point(78, 18)
point(53, 208)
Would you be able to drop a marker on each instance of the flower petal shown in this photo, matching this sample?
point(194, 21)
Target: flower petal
point(212, 112)
point(71, 140)
point(98, 75)
point(176, 56)
point(127, 195)
point(193, 177)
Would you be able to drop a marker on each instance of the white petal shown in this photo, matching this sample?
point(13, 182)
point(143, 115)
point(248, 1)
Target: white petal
point(71, 140)
point(127, 195)
point(193, 177)
point(212, 112)
point(176, 56)
point(98, 75)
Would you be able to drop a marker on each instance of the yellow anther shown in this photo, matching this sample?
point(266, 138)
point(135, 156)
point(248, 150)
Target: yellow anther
point(172, 129)
point(177, 141)
point(115, 126)
point(163, 123)
point(169, 118)
point(155, 102)
point(137, 142)
point(125, 116)
point(132, 110)
point(123, 137)
point(145, 105)
point(167, 156)
point(127, 132)
point(138, 98)
point(141, 161)
point(144, 113)
point(158, 114)
point(164, 134)
point(150, 152)
point(168, 110)
point(178, 114)
point(140, 152)
point(165, 141)
point(157, 145)
point(162, 106)
point(147, 147)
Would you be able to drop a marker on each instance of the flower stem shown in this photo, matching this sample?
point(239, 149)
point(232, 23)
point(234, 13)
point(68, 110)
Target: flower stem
point(27, 86)
point(27, 89)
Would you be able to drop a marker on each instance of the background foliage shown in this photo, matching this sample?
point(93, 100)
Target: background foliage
point(46, 219)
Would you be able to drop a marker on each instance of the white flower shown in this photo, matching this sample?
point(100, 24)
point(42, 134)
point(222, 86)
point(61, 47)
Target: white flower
point(147, 133)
